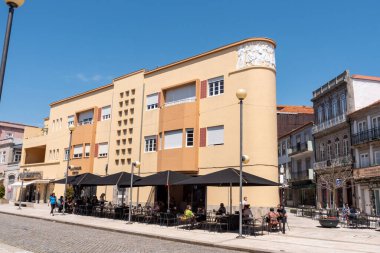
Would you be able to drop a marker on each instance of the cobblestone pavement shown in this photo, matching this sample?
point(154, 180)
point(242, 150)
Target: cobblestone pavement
point(44, 236)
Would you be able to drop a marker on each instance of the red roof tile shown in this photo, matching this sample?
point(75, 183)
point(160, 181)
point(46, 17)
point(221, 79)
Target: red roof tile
point(295, 109)
point(372, 78)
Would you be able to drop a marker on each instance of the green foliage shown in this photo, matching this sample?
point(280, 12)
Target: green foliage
point(2, 191)
point(70, 192)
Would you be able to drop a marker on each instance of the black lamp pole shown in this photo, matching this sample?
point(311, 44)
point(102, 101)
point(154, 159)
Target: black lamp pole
point(12, 6)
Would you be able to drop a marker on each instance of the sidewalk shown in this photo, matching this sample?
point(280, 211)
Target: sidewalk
point(304, 235)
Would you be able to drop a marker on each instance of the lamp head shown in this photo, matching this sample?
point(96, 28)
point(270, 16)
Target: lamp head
point(14, 3)
point(245, 159)
point(137, 164)
point(71, 128)
point(241, 94)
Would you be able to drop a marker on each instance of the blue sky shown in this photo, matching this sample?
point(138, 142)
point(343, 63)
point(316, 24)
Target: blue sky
point(60, 48)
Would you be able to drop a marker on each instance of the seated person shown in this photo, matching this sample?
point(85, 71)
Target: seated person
point(188, 213)
point(156, 207)
point(346, 211)
point(353, 214)
point(272, 218)
point(247, 213)
point(200, 214)
point(282, 216)
point(221, 210)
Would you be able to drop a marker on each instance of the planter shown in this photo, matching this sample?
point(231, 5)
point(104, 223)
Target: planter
point(4, 201)
point(329, 223)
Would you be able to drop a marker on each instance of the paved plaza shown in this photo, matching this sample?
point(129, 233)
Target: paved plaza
point(305, 235)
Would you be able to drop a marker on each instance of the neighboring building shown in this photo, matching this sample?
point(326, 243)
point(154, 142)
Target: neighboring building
point(301, 177)
point(285, 163)
point(181, 117)
point(290, 117)
point(365, 137)
point(332, 102)
point(11, 135)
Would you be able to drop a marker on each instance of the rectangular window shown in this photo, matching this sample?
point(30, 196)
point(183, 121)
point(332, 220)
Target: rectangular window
point(152, 101)
point(215, 86)
point(215, 135)
point(150, 143)
point(103, 149)
point(377, 157)
point(87, 149)
point(2, 157)
point(364, 160)
point(106, 112)
point(180, 95)
point(190, 137)
point(78, 151)
point(70, 120)
point(66, 154)
point(345, 147)
point(173, 139)
point(17, 156)
point(85, 118)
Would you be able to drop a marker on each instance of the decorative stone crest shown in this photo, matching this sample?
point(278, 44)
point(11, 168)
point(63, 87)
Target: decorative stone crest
point(257, 53)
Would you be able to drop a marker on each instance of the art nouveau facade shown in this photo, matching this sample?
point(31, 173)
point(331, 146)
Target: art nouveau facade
point(183, 117)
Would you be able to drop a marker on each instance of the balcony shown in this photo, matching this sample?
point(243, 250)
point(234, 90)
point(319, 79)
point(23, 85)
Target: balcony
point(299, 175)
point(366, 136)
point(301, 148)
point(328, 124)
point(333, 163)
point(181, 101)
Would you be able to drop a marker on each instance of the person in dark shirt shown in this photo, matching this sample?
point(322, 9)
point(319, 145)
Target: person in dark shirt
point(281, 217)
point(221, 210)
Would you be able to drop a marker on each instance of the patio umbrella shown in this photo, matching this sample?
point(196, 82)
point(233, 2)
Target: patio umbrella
point(162, 178)
point(81, 179)
point(228, 177)
point(120, 178)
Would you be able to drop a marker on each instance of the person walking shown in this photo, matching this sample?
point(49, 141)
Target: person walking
point(52, 202)
point(60, 203)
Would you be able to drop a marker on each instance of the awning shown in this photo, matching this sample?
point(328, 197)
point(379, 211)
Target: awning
point(18, 184)
point(37, 181)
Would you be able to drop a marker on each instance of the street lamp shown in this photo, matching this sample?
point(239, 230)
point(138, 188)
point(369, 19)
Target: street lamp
point(136, 164)
point(12, 5)
point(71, 129)
point(241, 94)
point(22, 185)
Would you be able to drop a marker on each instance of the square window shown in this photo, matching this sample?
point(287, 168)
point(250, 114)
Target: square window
point(215, 86)
point(150, 143)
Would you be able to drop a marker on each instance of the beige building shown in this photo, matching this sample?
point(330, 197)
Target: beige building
point(183, 117)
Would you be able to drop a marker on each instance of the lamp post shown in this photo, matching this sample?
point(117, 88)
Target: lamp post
point(22, 186)
point(136, 164)
point(241, 94)
point(71, 129)
point(12, 5)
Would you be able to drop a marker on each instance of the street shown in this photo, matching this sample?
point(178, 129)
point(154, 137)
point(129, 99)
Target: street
point(43, 236)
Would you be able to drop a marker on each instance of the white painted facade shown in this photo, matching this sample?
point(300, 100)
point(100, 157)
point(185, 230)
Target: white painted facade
point(365, 92)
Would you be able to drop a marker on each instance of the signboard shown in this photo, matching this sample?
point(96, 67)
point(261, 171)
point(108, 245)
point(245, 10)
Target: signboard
point(75, 168)
point(338, 182)
point(31, 175)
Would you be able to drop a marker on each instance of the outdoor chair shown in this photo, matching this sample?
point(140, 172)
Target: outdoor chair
point(97, 211)
point(249, 227)
point(273, 225)
point(221, 222)
point(110, 213)
point(210, 221)
point(168, 219)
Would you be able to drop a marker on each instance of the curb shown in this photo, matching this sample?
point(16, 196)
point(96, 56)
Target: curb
point(213, 245)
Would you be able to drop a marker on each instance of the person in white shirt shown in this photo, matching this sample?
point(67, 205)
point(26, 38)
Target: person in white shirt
point(245, 201)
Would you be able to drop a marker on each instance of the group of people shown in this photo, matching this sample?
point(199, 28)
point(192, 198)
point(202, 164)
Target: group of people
point(278, 217)
point(56, 203)
point(349, 213)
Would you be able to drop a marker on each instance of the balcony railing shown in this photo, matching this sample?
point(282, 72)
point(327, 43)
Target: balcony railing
point(331, 84)
point(299, 175)
point(336, 162)
point(329, 123)
point(181, 101)
point(301, 147)
point(366, 136)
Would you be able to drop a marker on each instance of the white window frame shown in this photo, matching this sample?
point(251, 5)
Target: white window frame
point(150, 144)
point(365, 155)
point(173, 132)
point(334, 108)
point(322, 151)
point(343, 106)
point(70, 120)
point(17, 156)
point(215, 86)
point(190, 137)
point(78, 155)
point(376, 157)
point(102, 153)
point(66, 157)
point(320, 114)
point(108, 115)
point(214, 128)
point(337, 148)
point(345, 146)
point(87, 150)
point(152, 106)
point(3, 157)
